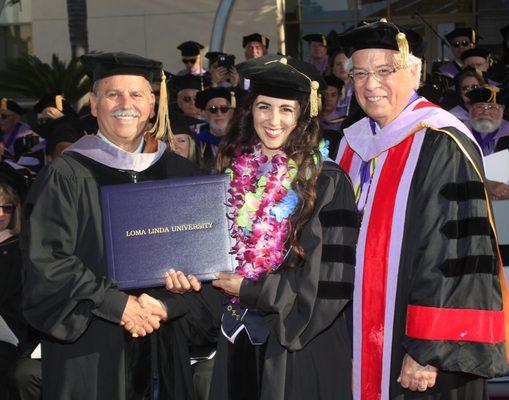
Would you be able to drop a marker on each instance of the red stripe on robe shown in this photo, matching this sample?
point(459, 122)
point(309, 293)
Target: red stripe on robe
point(424, 104)
point(376, 264)
point(346, 160)
point(465, 325)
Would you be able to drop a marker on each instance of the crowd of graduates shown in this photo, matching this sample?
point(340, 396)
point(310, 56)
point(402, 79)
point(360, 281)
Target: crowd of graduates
point(202, 101)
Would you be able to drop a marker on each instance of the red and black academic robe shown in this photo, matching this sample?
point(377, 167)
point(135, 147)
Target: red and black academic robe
point(427, 272)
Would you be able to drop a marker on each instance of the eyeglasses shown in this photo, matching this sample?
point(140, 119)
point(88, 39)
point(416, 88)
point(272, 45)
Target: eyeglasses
point(381, 74)
point(188, 99)
point(487, 107)
point(215, 110)
point(8, 208)
point(189, 60)
point(468, 88)
point(462, 43)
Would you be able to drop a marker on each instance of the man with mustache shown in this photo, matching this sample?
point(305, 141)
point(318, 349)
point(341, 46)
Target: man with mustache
point(86, 354)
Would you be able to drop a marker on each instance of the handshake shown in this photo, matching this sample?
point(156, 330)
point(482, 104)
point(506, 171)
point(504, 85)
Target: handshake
point(142, 315)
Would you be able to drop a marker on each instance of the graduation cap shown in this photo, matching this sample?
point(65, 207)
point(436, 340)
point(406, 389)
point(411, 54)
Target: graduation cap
point(181, 123)
point(204, 96)
point(104, 65)
point(284, 78)
point(333, 80)
point(55, 100)
point(316, 37)
point(18, 179)
point(475, 52)
point(11, 105)
point(487, 94)
point(212, 56)
point(256, 37)
point(190, 48)
point(458, 32)
point(504, 31)
point(62, 131)
point(381, 35)
point(189, 81)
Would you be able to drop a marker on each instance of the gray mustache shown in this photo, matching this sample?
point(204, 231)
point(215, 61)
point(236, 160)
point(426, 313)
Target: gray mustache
point(125, 113)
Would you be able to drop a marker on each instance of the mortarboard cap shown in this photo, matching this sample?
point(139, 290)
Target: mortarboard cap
point(256, 37)
point(475, 52)
point(316, 37)
point(487, 94)
point(203, 97)
point(284, 78)
point(104, 65)
point(333, 80)
point(212, 56)
point(189, 81)
point(190, 48)
point(504, 31)
point(63, 130)
point(467, 32)
point(382, 35)
point(180, 124)
point(55, 100)
point(11, 105)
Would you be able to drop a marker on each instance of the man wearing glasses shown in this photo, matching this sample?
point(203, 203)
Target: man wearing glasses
point(427, 306)
point(186, 87)
point(460, 40)
point(191, 58)
point(216, 104)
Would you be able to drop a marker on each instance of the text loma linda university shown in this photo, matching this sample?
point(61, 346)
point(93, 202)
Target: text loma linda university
point(168, 229)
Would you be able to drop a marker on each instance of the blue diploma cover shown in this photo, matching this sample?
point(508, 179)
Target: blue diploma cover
point(180, 223)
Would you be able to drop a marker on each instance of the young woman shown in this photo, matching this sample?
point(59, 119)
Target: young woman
point(467, 80)
point(284, 332)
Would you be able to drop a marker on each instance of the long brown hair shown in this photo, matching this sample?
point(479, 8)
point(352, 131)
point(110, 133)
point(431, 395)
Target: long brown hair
point(299, 146)
point(11, 197)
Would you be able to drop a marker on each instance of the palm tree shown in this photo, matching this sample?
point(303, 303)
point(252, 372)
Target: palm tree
point(77, 20)
point(30, 77)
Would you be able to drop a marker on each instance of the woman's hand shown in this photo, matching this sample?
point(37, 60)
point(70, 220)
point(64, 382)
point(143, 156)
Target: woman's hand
point(177, 282)
point(230, 283)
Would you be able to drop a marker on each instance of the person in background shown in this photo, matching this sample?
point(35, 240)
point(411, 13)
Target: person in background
point(330, 116)
point(317, 45)
point(18, 137)
point(216, 105)
point(53, 106)
point(184, 138)
point(461, 40)
point(466, 80)
point(255, 45)
point(186, 87)
point(191, 57)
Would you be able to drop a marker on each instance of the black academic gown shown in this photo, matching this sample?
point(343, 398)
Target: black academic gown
point(308, 351)
point(68, 296)
point(457, 268)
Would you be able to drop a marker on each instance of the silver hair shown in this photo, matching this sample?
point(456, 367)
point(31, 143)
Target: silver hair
point(413, 61)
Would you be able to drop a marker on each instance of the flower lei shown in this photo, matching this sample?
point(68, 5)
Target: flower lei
point(260, 207)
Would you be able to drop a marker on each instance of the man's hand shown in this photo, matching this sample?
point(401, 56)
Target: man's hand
point(234, 77)
point(499, 190)
point(230, 283)
point(217, 75)
point(414, 376)
point(177, 282)
point(139, 320)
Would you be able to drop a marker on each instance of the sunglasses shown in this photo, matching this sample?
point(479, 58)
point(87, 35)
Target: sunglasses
point(462, 43)
point(8, 208)
point(215, 110)
point(188, 99)
point(189, 60)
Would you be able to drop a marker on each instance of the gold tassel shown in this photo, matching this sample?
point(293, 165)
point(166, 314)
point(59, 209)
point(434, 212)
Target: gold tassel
point(320, 103)
point(162, 127)
point(4, 104)
point(201, 83)
point(313, 99)
point(494, 90)
point(233, 100)
point(264, 41)
point(473, 36)
point(324, 41)
point(59, 103)
point(404, 49)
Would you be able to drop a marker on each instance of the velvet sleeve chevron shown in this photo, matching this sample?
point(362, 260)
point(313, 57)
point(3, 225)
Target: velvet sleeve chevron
point(299, 303)
point(449, 289)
